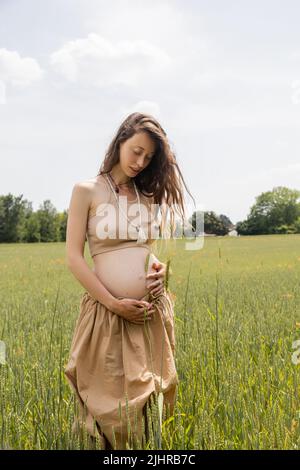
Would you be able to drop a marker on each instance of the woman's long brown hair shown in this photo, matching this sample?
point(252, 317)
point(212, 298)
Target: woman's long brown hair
point(162, 178)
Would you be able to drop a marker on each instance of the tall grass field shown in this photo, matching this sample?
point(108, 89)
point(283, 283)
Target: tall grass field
point(237, 315)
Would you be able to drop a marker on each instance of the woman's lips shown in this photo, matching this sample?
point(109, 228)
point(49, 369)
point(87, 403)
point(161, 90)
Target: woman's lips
point(135, 171)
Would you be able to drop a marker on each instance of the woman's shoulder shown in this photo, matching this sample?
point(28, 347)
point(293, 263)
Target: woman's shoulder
point(94, 185)
point(99, 192)
point(96, 181)
point(82, 188)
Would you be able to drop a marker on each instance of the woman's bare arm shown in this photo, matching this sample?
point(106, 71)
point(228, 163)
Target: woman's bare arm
point(75, 241)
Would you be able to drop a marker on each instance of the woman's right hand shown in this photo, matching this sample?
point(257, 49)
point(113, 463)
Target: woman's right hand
point(133, 310)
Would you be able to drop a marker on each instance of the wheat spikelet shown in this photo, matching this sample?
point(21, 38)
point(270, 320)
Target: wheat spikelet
point(114, 438)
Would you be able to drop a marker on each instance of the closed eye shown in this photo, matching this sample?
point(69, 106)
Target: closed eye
point(149, 157)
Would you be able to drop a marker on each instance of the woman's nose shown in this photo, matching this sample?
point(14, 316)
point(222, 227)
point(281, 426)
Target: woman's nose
point(140, 164)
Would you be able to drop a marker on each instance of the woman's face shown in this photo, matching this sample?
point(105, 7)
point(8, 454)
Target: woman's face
point(136, 153)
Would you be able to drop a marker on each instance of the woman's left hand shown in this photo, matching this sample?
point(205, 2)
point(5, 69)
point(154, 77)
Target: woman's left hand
point(157, 287)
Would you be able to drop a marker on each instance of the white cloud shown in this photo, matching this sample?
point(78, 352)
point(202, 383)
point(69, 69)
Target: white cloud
point(18, 71)
point(284, 170)
point(144, 106)
point(296, 94)
point(273, 175)
point(95, 60)
point(2, 93)
point(170, 23)
point(294, 56)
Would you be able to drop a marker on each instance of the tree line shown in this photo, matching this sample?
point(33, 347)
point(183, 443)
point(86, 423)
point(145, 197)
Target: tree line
point(274, 212)
point(20, 223)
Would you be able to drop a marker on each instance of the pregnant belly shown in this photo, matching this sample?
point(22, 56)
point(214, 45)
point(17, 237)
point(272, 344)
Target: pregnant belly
point(123, 273)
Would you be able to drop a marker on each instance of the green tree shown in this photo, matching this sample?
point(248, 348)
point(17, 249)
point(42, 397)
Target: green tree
point(62, 219)
point(32, 229)
point(272, 210)
point(209, 223)
point(11, 217)
point(296, 225)
point(226, 221)
point(47, 217)
point(213, 224)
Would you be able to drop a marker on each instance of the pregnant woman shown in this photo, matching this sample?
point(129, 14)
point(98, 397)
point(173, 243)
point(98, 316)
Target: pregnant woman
point(123, 346)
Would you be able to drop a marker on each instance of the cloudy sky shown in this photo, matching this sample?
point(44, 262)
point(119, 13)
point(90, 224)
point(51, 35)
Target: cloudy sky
point(222, 77)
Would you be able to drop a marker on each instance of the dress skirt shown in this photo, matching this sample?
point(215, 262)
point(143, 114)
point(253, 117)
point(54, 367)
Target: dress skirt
point(115, 365)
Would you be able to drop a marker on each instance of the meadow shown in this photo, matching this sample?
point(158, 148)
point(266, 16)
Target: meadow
point(237, 314)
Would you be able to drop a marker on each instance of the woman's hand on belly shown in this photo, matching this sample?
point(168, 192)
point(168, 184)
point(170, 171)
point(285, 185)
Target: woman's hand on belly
point(135, 311)
point(157, 286)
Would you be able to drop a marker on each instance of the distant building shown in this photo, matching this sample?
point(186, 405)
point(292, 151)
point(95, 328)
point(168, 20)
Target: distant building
point(233, 233)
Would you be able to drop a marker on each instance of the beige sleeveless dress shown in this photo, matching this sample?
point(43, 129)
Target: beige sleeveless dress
point(115, 365)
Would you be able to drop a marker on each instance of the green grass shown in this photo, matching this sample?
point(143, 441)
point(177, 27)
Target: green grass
point(237, 301)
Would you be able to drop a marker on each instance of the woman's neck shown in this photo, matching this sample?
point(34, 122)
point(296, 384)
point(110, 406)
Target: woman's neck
point(119, 177)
